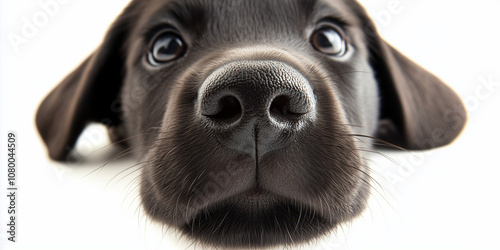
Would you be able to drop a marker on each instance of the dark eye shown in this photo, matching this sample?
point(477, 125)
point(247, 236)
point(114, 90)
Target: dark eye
point(329, 41)
point(166, 47)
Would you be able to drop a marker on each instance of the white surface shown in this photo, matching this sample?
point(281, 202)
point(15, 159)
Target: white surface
point(447, 198)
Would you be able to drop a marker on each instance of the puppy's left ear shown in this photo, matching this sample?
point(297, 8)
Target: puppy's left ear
point(86, 94)
point(419, 111)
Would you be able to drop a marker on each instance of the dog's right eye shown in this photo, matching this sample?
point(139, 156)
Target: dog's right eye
point(329, 41)
point(166, 47)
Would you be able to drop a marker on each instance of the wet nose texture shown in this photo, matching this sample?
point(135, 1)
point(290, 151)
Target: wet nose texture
point(256, 104)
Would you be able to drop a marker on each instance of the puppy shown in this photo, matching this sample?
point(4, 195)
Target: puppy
point(252, 115)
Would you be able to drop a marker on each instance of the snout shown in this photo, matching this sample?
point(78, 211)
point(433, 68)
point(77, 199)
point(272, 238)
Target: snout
point(254, 149)
point(256, 106)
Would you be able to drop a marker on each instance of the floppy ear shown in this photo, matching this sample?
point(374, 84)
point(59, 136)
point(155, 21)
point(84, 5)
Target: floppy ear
point(85, 95)
point(419, 111)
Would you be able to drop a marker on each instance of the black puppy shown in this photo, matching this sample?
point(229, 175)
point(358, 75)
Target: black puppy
point(253, 114)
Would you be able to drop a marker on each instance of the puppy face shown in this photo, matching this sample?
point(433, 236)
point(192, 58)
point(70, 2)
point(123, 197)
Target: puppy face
point(253, 114)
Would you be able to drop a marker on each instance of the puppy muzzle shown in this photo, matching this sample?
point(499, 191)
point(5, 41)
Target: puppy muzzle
point(256, 105)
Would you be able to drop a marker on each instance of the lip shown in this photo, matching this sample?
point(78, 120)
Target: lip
point(255, 200)
point(257, 216)
point(255, 193)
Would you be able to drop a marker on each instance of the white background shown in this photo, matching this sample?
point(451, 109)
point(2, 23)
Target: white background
point(447, 198)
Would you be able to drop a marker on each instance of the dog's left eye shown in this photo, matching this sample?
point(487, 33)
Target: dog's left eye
point(166, 47)
point(329, 41)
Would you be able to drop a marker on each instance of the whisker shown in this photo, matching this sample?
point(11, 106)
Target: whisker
point(125, 152)
point(137, 166)
point(381, 154)
point(383, 142)
point(351, 72)
point(129, 189)
point(352, 125)
point(117, 156)
point(125, 140)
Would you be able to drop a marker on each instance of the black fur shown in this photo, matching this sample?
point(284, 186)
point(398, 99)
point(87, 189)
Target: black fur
point(258, 186)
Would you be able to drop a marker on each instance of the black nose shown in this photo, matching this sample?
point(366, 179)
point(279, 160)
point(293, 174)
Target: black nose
point(256, 103)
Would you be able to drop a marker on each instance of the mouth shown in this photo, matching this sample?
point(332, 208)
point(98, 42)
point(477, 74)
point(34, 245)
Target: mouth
point(258, 218)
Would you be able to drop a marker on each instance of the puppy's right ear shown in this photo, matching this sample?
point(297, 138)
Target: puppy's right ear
point(418, 110)
point(87, 94)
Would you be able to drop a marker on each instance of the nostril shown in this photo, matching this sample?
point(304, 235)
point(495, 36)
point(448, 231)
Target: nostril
point(280, 107)
point(243, 94)
point(229, 110)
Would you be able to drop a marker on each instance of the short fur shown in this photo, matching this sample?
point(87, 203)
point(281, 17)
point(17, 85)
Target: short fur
point(266, 192)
